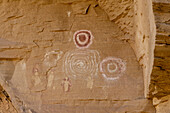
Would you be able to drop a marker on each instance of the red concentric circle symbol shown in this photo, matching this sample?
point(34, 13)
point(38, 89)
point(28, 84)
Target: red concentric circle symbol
point(82, 39)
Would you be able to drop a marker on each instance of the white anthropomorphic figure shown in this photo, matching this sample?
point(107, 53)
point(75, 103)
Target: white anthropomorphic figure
point(90, 82)
point(50, 78)
point(66, 84)
point(35, 71)
point(36, 75)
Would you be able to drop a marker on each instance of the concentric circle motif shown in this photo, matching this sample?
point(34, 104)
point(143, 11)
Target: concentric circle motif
point(82, 39)
point(112, 68)
point(81, 63)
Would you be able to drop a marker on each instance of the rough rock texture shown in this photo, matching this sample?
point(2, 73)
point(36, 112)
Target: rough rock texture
point(44, 70)
point(122, 13)
point(130, 17)
point(160, 78)
point(162, 104)
point(144, 38)
point(5, 103)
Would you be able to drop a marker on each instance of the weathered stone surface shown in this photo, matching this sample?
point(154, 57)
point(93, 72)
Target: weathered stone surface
point(50, 70)
point(161, 1)
point(104, 107)
point(13, 50)
point(160, 75)
point(163, 39)
point(122, 13)
point(144, 38)
point(161, 7)
point(162, 50)
point(5, 103)
point(160, 79)
point(162, 105)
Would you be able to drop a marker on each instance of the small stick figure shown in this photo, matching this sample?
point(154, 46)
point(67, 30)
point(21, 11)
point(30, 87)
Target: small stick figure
point(66, 84)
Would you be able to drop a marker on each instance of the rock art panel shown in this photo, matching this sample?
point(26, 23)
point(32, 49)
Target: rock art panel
point(62, 71)
point(112, 68)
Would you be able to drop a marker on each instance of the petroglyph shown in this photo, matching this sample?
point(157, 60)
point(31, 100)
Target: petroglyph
point(36, 77)
point(69, 13)
point(23, 65)
point(66, 84)
point(81, 63)
point(112, 68)
point(82, 39)
point(90, 82)
point(50, 78)
point(51, 58)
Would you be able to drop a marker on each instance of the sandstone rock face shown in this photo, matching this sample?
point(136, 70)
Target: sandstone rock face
point(160, 87)
point(5, 103)
point(76, 56)
point(144, 39)
point(161, 71)
point(162, 104)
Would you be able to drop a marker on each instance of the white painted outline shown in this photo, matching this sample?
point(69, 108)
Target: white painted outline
point(91, 39)
point(108, 67)
point(68, 13)
point(121, 65)
point(110, 78)
point(73, 59)
point(47, 59)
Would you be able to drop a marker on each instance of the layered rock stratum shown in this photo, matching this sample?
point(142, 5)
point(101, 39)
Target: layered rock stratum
point(160, 87)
